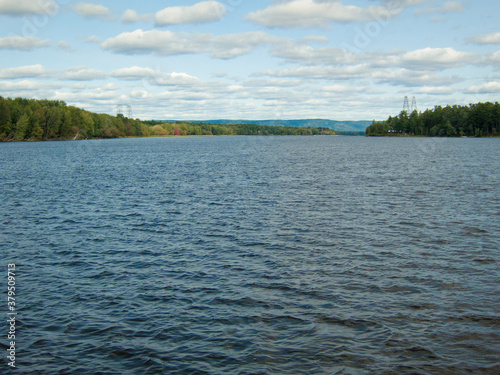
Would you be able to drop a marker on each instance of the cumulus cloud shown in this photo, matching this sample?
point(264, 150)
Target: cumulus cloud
point(135, 73)
point(88, 96)
point(304, 54)
point(317, 13)
point(486, 88)
point(153, 41)
point(389, 75)
point(92, 10)
point(168, 43)
point(436, 90)
point(427, 58)
point(203, 12)
point(493, 59)
point(64, 46)
point(448, 7)
point(233, 45)
point(155, 77)
point(320, 72)
point(271, 83)
point(81, 73)
point(493, 38)
point(343, 89)
point(177, 79)
point(93, 39)
point(23, 43)
point(402, 3)
point(24, 85)
point(410, 78)
point(437, 58)
point(27, 71)
point(28, 7)
point(131, 16)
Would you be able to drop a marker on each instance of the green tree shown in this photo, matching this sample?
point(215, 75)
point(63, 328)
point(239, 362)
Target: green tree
point(22, 127)
point(38, 124)
point(5, 122)
point(65, 124)
point(54, 122)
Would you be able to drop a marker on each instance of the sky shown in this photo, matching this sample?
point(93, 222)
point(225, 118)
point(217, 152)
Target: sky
point(251, 59)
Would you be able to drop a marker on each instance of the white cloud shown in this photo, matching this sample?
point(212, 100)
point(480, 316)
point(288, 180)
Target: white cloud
point(271, 83)
point(19, 86)
point(177, 79)
point(64, 46)
point(493, 38)
point(27, 71)
point(23, 43)
point(233, 45)
point(318, 13)
point(81, 73)
point(343, 89)
point(301, 53)
point(314, 39)
point(493, 59)
point(93, 39)
point(155, 77)
point(422, 59)
point(402, 3)
point(88, 96)
point(448, 7)
point(486, 88)
point(28, 7)
point(437, 58)
point(203, 12)
point(135, 73)
point(131, 16)
point(436, 90)
point(410, 78)
point(153, 41)
point(168, 43)
point(320, 72)
point(363, 72)
point(452, 6)
point(141, 95)
point(92, 10)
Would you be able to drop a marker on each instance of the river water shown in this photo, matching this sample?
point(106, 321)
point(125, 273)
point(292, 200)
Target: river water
point(253, 255)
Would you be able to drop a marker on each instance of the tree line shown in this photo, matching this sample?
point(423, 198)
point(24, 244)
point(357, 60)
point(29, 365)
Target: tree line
point(474, 120)
point(30, 119)
point(159, 128)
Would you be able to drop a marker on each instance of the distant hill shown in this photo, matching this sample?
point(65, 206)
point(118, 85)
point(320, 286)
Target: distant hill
point(307, 123)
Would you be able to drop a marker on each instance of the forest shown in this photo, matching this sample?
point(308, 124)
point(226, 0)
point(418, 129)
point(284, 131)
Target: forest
point(474, 120)
point(34, 120)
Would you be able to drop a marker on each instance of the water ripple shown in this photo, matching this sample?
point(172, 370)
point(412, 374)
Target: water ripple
point(250, 255)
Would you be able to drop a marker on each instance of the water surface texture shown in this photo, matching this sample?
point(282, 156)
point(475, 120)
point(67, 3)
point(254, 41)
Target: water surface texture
point(253, 255)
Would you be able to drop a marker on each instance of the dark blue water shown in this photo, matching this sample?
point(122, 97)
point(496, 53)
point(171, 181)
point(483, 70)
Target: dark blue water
point(253, 255)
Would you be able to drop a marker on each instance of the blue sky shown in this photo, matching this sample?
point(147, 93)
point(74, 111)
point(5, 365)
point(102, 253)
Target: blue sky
point(259, 59)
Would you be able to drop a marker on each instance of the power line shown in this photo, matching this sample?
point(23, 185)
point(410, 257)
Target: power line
point(406, 105)
point(119, 110)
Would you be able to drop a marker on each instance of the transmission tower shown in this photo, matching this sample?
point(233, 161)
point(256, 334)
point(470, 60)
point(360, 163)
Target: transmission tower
point(406, 105)
point(119, 109)
point(129, 111)
point(414, 104)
